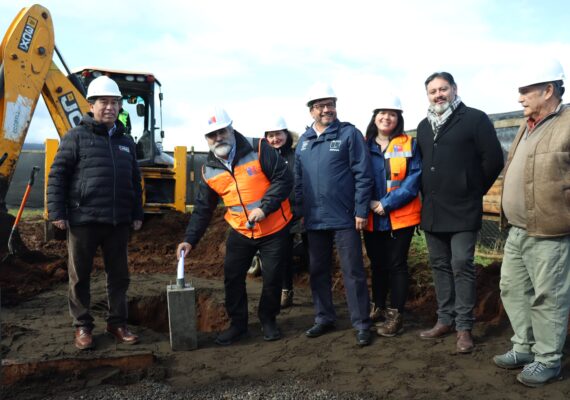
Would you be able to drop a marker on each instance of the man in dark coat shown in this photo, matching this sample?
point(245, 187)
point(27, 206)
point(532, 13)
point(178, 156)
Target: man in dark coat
point(94, 191)
point(462, 157)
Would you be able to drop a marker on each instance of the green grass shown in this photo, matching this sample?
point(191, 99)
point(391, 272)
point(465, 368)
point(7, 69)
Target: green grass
point(28, 212)
point(419, 254)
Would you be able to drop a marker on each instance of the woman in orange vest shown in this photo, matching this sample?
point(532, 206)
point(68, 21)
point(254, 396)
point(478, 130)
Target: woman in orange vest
point(395, 212)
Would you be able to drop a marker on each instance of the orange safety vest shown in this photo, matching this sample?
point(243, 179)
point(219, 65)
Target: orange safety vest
point(397, 153)
point(242, 191)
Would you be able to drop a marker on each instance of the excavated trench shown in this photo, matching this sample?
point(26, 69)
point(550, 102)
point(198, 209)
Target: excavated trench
point(148, 311)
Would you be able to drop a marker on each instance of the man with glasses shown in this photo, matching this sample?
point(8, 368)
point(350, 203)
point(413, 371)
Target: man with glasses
point(254, 183)
point(333, 186)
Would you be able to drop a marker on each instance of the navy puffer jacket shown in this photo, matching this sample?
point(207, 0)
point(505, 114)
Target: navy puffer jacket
point(95, 178)
point(333, 177)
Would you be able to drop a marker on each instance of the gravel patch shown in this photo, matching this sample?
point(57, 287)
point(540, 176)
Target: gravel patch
point(147, 390)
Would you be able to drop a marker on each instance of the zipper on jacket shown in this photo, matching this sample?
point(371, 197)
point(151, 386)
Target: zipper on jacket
point(240, 200)
point(114, 180)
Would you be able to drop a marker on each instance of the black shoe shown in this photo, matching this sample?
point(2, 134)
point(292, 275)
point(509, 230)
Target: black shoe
point(363, 337)
point(230, 335)
point(319, 329)
point(271, 331)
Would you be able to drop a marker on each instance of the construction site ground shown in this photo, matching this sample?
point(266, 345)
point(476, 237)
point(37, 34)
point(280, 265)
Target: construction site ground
point(39, 360)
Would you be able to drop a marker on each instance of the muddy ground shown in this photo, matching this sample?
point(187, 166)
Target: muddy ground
point(36, 331)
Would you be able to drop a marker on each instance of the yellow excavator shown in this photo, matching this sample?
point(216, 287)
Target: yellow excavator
point(28, 69)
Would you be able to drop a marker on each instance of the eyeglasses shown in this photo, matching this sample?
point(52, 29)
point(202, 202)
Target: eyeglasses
point(214, 135)
point(319, 107)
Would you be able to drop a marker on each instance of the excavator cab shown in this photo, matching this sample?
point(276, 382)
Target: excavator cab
point(141, 114)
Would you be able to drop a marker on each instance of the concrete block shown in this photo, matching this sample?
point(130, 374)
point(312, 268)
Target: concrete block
point(182, 317)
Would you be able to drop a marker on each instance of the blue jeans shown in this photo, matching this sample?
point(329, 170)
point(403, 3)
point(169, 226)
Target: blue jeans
point(349, 247)
point(451, 258)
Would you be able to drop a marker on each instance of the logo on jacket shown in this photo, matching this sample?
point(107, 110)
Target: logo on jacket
point(125, 149)
point(398, 148)
point(252, 171)
point(335, 145)
point(304, 145)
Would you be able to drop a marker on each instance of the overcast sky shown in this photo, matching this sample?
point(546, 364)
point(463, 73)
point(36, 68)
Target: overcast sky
point(258, 58)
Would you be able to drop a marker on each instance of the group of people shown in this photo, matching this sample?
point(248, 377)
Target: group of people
point(340, 185)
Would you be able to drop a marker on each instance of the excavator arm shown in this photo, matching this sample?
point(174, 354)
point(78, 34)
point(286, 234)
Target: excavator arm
point(28, 70)
point(26, 56)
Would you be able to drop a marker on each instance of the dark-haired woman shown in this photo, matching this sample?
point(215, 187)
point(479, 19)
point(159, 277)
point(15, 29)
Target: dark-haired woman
point(279, 137)
point(395, 211)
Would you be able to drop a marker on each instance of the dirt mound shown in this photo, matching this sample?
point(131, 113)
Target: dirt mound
point(21, 280)
point(152, 250)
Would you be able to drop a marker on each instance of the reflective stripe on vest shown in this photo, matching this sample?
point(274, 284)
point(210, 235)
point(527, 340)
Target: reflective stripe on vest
point(242, 191)
point(398, 152)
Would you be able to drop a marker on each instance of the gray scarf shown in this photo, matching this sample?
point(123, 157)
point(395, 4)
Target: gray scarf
point(436, 120)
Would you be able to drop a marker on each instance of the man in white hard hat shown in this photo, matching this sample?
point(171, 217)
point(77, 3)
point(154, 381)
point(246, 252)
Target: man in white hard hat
point(254, 183)
point(461, 158)
point(333, 186)
point(535, 203)
point(94, 191)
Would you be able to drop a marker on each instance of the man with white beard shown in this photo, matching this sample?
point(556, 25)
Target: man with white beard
point(254, 183)
point(461, 159)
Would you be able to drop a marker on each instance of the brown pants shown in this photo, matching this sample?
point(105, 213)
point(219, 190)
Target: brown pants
point(82, 244)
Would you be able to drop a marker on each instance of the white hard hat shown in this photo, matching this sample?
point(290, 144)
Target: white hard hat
point(318, 91)
point(389, 102)
point(542, 71)
point(275, 125)
point(103, 86)
point(216, 120)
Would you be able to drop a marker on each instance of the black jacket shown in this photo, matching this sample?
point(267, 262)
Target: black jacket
point(272, 165)
point(458, 168)
point(95, 178)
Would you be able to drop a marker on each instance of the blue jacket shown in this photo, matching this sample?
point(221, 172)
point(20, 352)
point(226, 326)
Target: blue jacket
point(399, 197)
point(333, 179)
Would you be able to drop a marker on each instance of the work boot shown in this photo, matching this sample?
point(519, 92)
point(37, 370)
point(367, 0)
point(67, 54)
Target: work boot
point(438, 331)
point(256, 266)
point(464, 342)
point(83, 338)
point(377, 314)
point(286, 298)
point(537, 374)
point(513, 359)
point(393, 325)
